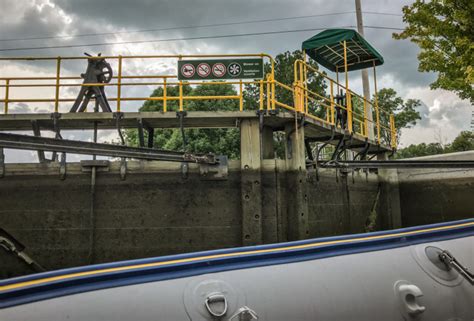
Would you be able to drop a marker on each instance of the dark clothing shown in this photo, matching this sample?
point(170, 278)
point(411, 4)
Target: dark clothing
point(341, 113)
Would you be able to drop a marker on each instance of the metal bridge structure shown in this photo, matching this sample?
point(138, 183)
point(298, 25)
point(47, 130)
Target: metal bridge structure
point(108, 210)
point(275, 104)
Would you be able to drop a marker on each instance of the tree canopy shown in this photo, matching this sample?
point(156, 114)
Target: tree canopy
point(227, 141)
point(405, 112)
point(463, 142)
point(222, 141)
point(444, 31)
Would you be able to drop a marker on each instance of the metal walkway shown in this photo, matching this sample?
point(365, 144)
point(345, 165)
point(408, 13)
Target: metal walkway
point(314, 129)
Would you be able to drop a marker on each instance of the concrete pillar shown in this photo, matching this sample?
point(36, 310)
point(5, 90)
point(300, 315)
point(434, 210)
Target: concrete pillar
point(268, 151)
point(390, 208)
point(251, 182)
point(297, 202)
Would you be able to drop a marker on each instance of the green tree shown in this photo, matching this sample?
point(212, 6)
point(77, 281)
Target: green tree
point(284, 73)
point(463, 142)
point(221, 141)
point(225, 141)
point(405, 112)
point(444, 31)
point(420, 150)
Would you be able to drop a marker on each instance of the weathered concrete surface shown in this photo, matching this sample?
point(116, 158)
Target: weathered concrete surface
point(155, 211)
point(437, 195)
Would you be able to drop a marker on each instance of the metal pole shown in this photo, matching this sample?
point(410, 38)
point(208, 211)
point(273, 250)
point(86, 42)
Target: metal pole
point(7, 88)
point(377, 106)
point(119, 84)
point(348, 94)
point(365, 75)
point(58, 77)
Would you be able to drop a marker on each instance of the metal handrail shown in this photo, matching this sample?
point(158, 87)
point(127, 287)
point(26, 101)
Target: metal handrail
point(303, 97)
point(300, 75)
point(59, 81)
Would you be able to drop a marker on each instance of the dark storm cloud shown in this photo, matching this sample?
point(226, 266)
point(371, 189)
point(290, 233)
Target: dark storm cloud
point(65, 17)
point(89, 16)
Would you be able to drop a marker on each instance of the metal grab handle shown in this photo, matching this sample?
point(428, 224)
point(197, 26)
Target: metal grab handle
point(451, 262)
point(244, 314)
point(410, 294)
point(213, 298)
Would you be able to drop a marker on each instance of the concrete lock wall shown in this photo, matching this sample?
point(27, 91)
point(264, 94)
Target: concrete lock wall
point(437, 195)
point(155, 211)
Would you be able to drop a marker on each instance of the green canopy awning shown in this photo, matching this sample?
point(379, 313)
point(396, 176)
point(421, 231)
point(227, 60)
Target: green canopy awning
point(327, 48)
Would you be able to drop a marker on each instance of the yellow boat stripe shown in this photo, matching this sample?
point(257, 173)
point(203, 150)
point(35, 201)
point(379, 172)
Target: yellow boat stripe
point(224, 255)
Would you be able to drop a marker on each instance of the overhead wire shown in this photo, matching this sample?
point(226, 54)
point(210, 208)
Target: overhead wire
point(184, 38)
point(191, 27)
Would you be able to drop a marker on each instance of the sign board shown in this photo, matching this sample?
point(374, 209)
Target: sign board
point(220, 69)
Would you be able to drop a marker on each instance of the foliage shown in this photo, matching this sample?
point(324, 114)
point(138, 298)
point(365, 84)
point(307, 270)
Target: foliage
point(221, 141)
point(284, 73)
point(444, 31)
point(405, 112)
point(463, 142)
point(227, 141)
point(420, 150)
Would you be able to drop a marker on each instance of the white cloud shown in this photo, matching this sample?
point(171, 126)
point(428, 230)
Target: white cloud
point(447, 115)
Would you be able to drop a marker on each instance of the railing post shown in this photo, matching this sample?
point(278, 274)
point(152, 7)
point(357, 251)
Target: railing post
point(377, 113)
point(268, 92)
point(58, 73)
point(241, 97)
point(261, 95)
point(273, 92)
point(302, 97)
point(180, 95)
point(348, 93)
point(273, 85)
point(305, 83)
point(165, 108)
point(393, 132)
point(332, 101)
point(119, 83)
point(366, 120)
point(7, 91)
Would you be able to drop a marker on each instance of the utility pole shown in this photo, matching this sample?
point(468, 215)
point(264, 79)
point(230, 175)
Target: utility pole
point(365, 74)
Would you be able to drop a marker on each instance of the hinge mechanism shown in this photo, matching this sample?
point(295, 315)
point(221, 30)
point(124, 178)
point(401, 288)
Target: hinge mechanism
point(451, 262)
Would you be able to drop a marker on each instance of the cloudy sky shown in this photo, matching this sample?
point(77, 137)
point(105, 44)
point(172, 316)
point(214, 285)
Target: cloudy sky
point(444, 114)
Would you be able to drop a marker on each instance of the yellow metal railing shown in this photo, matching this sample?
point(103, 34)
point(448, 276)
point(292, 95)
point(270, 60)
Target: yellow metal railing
point(357, 107)
point(316, 105)
point(120, 82)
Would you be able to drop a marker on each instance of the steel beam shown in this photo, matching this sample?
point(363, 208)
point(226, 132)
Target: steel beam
point(399, 164)
point(16, 141)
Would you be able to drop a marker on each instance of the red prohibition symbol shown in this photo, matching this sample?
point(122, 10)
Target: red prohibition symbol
point(219, 69)
point(203, 69)
point(188, 70)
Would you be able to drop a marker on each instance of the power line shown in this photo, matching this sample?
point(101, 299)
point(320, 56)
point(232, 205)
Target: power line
point(182, 27)
point(183, 39)
point(187, 38)
point(193, 27)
